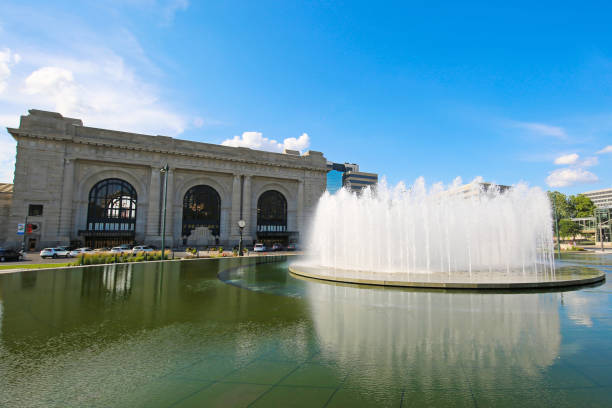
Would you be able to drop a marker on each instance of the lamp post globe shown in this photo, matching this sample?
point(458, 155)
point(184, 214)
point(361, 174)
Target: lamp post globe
point(241, 225)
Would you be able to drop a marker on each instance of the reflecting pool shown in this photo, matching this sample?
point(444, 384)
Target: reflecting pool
point(244, 332)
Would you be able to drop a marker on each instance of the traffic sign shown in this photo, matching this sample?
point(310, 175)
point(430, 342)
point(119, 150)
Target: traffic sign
point(21, 229)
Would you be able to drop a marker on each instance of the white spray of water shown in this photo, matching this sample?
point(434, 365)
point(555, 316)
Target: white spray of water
point(416, 230)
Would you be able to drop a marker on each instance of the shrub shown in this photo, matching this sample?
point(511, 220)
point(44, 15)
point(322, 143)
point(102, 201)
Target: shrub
point(107, 258)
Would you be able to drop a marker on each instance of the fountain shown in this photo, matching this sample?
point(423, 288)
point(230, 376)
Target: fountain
point(479, 237)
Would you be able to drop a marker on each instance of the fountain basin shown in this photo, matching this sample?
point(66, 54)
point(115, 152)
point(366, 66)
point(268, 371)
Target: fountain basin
point(563, 277)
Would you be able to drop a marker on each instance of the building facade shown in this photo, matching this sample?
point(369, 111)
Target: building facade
point(601, 198)
point(98, 187)
point(476, 188)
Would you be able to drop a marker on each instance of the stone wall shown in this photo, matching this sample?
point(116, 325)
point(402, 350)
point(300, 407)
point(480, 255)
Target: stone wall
point(6, 199)
point(59, 161)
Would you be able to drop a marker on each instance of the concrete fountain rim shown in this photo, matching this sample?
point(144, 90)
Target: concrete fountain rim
point(595, 277)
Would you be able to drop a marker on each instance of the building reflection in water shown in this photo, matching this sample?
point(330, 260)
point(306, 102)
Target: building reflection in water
point(119, 300)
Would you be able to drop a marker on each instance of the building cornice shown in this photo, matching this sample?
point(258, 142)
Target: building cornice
point(269, 159)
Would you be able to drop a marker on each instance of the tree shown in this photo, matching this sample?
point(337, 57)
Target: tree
point(582, 205)
point(569, 228)
point(563, 207)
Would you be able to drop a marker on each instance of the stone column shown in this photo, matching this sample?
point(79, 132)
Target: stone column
point(235, 213)
point(170, 209)
point(65, 217)
point(153, 229)
point(246, 209)
point(300, 208)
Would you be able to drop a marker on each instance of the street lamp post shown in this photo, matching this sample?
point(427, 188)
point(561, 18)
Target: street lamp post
point(557, 229)
point(164, 170)
point(600, 225)
point(241, 225)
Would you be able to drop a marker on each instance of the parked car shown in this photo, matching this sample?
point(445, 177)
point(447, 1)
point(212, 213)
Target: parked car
point(141, 248)
point(277, 247)
point(118, 250)
point(125, 247)
point(9, 255)
point(291, 247)
point(54, 253)
point(78, 251)
point(259, 248)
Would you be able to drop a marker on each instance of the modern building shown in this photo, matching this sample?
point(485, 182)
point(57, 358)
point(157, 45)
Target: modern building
point(335, 171)
point(348, 175)
point(99, 187)
point(601, 198)
point(358, 180)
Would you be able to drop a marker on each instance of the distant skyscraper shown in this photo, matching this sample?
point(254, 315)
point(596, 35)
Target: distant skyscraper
point(348, 175)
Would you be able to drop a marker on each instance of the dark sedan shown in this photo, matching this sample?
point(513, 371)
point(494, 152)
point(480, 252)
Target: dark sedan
point(9, 255)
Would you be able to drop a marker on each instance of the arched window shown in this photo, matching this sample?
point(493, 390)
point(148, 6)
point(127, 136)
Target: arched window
point(112, 206)
point(201, 208)
point(272, 212)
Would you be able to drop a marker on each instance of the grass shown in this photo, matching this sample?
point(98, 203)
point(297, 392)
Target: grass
point(35, 266)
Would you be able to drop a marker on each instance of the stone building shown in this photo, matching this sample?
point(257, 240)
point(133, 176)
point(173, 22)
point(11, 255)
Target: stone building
point(6, 198)
point(102, 188)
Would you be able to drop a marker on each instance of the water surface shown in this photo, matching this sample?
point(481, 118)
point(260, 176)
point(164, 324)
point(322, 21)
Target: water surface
point(232, 333)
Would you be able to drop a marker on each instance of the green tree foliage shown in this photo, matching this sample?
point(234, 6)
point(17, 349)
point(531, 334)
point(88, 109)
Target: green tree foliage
point(569, 228)
point(563, 209)
point(572, 206)
point(582, 205)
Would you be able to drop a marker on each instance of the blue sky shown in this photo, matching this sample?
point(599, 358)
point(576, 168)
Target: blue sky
point(519, 92)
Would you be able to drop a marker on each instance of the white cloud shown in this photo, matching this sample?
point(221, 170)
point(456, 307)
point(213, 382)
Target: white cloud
point(607, 149)
point(99, 73)
point(300, 144)
point(7, 158)
point(543, 129)
point(567, 159)
point(103, 93)
point(569, 176)
point(7, 60)
point(7, 148)
point(255, 140)
point(589, 161)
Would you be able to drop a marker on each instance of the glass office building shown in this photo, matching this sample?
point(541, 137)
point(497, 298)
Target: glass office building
point(348, 175)
point(334, 181)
